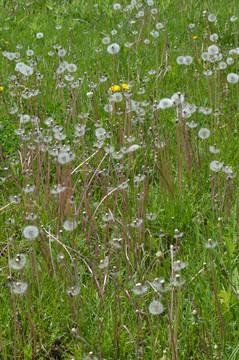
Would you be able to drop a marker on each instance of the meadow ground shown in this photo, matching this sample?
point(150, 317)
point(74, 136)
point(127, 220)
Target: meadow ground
point(119, 179)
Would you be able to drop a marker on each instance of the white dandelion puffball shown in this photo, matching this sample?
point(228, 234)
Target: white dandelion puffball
point(180, 60)
point(156, 308)
point(117, 97)
point(232, 78)
point(70, 225)
point(212, 17)
point(18, 262)
point(100, 133)
point(30, 232)
point(216, 165)
point(64, 158)
point(213, 50)
point(204, 133)
point(71, 67)
point(39, 35)
point(106, 40)
point(188, 60)
point(165, 103)
point(73, 291)
point(19, 287)
point(117, 6)
point(177, 98)
point(113, 49)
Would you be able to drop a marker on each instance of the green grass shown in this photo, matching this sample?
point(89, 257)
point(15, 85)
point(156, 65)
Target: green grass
point(107, 318)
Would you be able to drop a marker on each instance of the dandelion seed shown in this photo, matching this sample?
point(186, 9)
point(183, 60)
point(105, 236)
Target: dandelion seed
point(117, 6)
point(213, 149)
point(39, 35)
point(205, 111)
point(176, 281)
point(133, 148)
point(136, 223)
point(165, 103)
point(18, 287)
point(154, 33)
point(232, 78)
point(70, 225)
point(64, 158)
point(113, 49)
point(71, 67)
point(100, 133)
point(26, 70)
point(214, 37)
point(30, 232)
point(207, 72)
point(213, 50)
point(230, 61)
point(106, 40)
point(140, 289)
point(116, 243)
point(205, 56)
point(216, 165)
point(107, 217)
point(73, 291)
point(117, 97)
point(177, 234)
point(212, 17)
point(29, 188)
point(228, 170)
point(179, 265)
point(104, 263)
point(108, 108)
point(188, 60)
point(222, 65)
point(57, 189)
point(233, 18)
point(192, 124)
point(159, 26)
point(155, 307)
point(61, 52)
point(18, 262)
point(177, 98)
point(210, 244)
point(31, 217)
point(180, 60)
point(204, 133)
point(151, 216)
point(30, 52)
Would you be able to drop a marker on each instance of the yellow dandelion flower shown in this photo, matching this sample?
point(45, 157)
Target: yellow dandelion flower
point(115, 88)
point(125, 86)
point(195, 37)
point(1, 88)
point(6, 42)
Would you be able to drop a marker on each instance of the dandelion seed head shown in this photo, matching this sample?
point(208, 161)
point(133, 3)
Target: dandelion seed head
point(204, 133)
point(156, 307)
point(216, 165)
point(30, 232)
point(18, 287)
point(140, 289)
point(39, 35)
point(212, 18)
point(232, 78)
point(73, 291)
point(70, 225)
point(113, 49)
point(18, 262)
